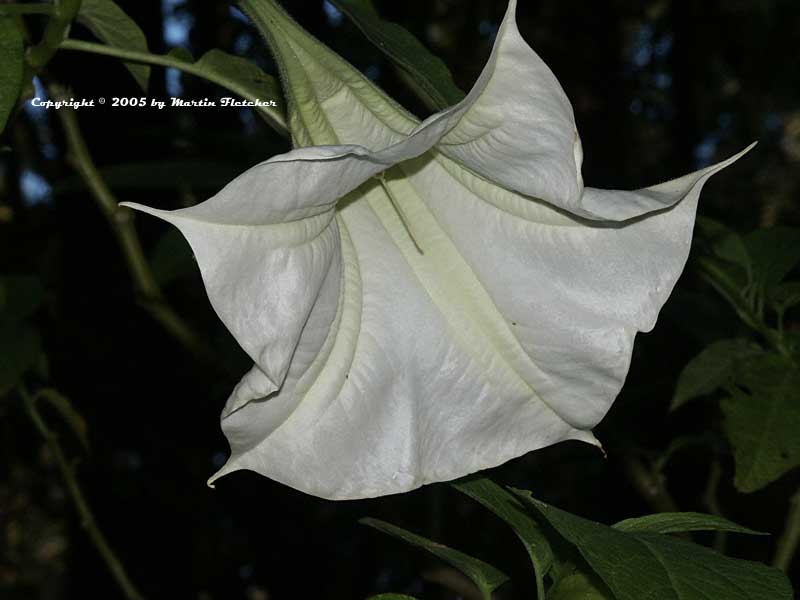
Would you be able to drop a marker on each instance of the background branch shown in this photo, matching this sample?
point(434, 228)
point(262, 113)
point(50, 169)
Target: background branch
point(787, 543)
point(650, 485)
point(121, 222)
point(88, 521)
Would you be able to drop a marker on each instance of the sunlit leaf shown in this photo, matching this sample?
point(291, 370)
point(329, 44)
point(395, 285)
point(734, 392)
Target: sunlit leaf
point(762, 420)
point(112, 25)
point(485, 577)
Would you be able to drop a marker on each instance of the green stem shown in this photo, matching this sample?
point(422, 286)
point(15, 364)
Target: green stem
point(13, 10)
point(273, 115)
point(711, 500)
point(57, 28)
point(650, 486)
point(88, 521)
point(121, 222)
point(787, 543)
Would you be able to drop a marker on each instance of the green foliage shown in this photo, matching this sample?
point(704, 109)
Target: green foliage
point(391, 597)
point(483, 575)
point(762, 381)
point(713, 368)
point(631, 560)
point(762, 421)
point(681, 522)
point(11, 66)
point(425, 73)
point(112, 25)
point(655, 566)
point(579, 585)
point(509, 508)
point(252, 82)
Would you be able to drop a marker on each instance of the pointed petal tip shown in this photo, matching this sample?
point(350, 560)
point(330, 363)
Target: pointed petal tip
point(226, 468)
point(588, 437)
point(732, 159)
point(156, 212)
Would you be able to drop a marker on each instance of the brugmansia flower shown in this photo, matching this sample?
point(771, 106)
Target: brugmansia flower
point(425, 300)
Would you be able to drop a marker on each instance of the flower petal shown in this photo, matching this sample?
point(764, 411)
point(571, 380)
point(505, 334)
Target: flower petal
point(430, 324)
point(520, 130)
point(266, 242)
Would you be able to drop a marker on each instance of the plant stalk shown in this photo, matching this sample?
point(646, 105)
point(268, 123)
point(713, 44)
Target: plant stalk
point(87, 519)
point(57, 28)
point(274, 116)
point(787, 543)
point(650, 486)
point(121, 221)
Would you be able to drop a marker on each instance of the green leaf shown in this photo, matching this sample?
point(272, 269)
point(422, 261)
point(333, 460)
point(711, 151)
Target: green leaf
point(20, 349)
point(711, 369)
point(112, 25)
point(254, 83)
point(242, 81)
point(20, 297)
point(578, 585)
point(66, 411)
point(428, 75)
point(659, 567)
point(11, 66)
point(727, 280)
point(774, 253)
point(172, 257)
point(677, 522)
point(762, 418)
point(784, 295)
point(726, 244)
point(509, 508)
point(483, 575)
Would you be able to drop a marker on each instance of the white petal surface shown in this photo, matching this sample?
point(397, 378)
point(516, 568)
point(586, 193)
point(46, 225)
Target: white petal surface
point(380, 367)
point(266, 242)
point(520, 132)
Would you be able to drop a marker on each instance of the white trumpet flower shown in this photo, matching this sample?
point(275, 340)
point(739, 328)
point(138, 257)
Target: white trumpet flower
point(425, 300)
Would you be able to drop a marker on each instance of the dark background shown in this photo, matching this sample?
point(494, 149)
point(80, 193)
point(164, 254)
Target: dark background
point(659, 88)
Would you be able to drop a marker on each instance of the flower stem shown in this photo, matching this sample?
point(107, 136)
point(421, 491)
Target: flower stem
point(787, 543)
point(88, 521)
point(121, 222)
